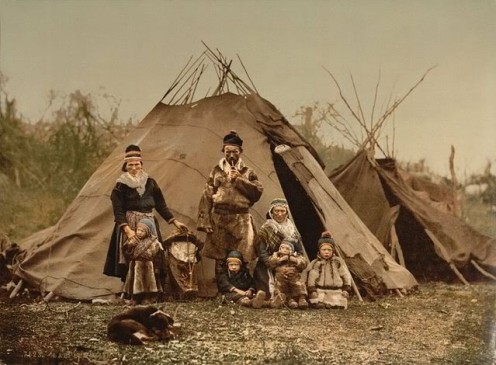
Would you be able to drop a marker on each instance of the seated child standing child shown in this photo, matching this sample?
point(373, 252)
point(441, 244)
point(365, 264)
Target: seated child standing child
point(287, 266)
point(329, 280)
point(142, 283)
point(236, 284)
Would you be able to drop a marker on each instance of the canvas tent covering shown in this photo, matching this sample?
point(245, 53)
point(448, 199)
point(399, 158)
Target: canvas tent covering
point(181, 142)
point(429, 238)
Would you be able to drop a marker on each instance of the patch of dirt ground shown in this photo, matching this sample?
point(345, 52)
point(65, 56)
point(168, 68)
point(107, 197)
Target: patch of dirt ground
point(439, 324)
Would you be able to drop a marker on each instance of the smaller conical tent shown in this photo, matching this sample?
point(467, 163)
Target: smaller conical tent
point(428, 238)
point(181, 141)
point(429, 241)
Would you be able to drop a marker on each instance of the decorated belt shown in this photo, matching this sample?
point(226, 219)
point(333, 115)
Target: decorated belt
point(325, 287)
point(226, 210)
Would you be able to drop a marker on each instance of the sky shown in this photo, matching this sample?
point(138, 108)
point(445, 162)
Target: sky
point(134, 49)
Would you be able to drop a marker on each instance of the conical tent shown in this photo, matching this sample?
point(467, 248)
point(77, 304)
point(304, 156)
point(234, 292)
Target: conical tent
point(430, 239)
point(181, 143)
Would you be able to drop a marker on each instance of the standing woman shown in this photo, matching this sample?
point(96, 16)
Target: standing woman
point(277, 227)
point(134, 197)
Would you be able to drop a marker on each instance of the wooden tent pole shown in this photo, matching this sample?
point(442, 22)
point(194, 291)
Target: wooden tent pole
point(454, 183)
point(355, 289)
point(459, 274)
point(353, 284)
point(48, 296)
point(395, 243)
point(446, 256)
point(16, 289)
point(481, 270)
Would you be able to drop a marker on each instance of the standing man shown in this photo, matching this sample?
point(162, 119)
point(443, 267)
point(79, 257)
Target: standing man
point(232, 188)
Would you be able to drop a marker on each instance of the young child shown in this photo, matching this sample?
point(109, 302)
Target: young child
point(329, 280)
point(287, 266)
point(142, 283)
point(236, 284)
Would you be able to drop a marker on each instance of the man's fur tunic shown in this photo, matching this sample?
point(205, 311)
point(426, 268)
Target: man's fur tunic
point(224, 207)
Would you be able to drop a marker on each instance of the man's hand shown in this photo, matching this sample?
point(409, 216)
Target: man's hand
point(233, 174)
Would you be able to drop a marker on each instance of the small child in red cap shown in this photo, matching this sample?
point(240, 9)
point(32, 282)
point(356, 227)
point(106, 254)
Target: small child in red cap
point(329, 280)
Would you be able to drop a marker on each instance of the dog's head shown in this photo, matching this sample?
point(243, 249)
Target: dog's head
point(161, 320)
point(161, 325)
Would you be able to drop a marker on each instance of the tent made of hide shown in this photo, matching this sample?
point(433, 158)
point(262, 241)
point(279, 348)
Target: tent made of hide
point(427, 240)
point(181, 142)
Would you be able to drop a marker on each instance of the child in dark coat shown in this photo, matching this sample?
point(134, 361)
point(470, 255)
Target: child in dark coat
point(236, 284)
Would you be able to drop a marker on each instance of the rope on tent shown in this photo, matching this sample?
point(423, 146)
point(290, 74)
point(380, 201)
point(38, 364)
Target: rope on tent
point(16, 289)
point(482, 271)
point(445, 255)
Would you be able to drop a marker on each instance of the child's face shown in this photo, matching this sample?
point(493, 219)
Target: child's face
point(325, 252)
point(279, 214)
point(233, 266)
point(285, 249)
point(140, 232)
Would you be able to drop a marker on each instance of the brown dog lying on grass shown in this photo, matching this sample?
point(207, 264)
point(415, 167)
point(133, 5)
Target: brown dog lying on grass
point(139, 325)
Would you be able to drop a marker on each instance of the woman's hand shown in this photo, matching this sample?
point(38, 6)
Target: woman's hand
point(131, 242)
point(129, 232)
point(181, 226)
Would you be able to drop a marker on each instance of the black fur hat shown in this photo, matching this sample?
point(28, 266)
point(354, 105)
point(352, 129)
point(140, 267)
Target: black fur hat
point(133, 151)
point(235, 256)
point(326, 238)
point(233, 139)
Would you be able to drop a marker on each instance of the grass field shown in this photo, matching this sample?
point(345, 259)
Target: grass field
point(439, 324)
